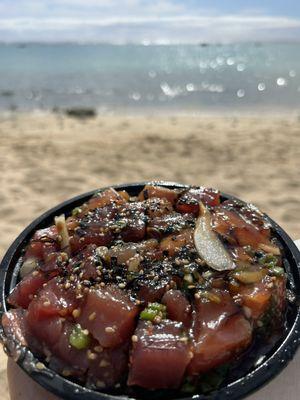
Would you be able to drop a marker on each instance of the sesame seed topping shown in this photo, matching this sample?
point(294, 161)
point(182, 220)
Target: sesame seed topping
point(98, 349)
point(104, 363)
point(92, 316)
point(40, 365)
point(76, 313)
point(91, 355)
point(109, 329)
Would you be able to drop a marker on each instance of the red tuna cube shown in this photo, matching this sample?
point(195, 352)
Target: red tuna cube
point(159, 356)
point(109, 315)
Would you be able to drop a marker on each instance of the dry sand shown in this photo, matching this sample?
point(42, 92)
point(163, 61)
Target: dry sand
point(46, 158)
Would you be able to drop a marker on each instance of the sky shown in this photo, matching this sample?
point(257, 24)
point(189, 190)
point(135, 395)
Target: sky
point(149, 21)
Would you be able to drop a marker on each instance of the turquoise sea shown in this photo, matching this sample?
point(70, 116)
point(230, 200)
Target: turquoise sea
point(239, 77)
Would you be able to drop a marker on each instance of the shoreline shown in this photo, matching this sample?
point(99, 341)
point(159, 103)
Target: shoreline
point(145, 112)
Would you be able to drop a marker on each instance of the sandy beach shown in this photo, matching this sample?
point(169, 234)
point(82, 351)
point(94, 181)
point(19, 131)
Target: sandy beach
point(46, 158)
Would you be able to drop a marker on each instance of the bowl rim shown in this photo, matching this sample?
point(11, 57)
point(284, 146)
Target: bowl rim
point(69, 390)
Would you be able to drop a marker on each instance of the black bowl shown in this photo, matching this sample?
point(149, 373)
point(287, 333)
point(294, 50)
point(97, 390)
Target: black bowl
point(274, 360)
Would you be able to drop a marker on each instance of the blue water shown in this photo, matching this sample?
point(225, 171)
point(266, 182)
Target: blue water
point(136, 77)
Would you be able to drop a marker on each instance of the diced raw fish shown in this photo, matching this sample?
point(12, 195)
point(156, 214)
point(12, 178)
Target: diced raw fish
point(174, 243)
point(156, 207)
point(86, 262)
point(109, 315)
point(259, 297)
point(159, 356)
point(188, 202)
point(236, 230)
point(105, 198)
point(150, 191)
point(178, 306)
point(54, 299)
point(43, 243)
point(220, 332)
point(125, 251)
point(109, 368)
point(46, 330)
point(131, 222)
point(77, 359)
point(14, 325)
point(152, 291)
point(23, 293)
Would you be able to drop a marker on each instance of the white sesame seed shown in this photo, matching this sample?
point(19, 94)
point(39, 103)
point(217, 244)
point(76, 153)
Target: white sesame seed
point(91, 355)
point(40, 365)
point(103, 364)
point(98, 349)
point(92, 316)
point(76, 313)
point(109, 329)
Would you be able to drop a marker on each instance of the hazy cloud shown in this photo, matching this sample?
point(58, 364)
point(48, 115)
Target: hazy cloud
point(136, 21)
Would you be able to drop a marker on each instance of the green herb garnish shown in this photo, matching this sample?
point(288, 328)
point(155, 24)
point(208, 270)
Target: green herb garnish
point(79, 339)
point(153, 311)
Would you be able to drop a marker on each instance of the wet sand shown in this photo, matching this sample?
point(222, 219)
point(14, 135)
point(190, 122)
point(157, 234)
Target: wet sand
point(46, 158)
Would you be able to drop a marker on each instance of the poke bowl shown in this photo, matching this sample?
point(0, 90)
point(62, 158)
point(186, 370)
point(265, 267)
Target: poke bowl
point(151, 290)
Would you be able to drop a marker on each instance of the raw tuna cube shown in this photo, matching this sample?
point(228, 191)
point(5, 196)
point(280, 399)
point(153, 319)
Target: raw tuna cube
point(174, 243)
point(131, 223)
point(52, 301)
point(45, 330)
point(188, 202)
point(156, 207)
point(43, 243)
point(260, 298)
point(105, 198)
point(159, 356)
point(77, 359)
point(109, 315)
point(23, 293)
point(178, 306)
point(220, 332)
point(230, 224)
point(86, 261)
point(159, 192)
point(14, 325)
point(126, 251)
point(109, 367)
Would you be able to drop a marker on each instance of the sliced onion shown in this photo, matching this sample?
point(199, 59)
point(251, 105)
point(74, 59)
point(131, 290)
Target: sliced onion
point(62, 230)
point(28, 266)
point(208, 245)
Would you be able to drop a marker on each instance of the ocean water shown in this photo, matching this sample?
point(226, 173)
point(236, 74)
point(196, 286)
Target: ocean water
point(197, 78)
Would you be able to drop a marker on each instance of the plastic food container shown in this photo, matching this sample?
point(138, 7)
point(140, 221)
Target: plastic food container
point(28, 381)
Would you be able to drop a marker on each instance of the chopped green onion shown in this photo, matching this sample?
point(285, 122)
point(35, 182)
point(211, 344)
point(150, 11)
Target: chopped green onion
point(157, 307)
point(148, 314)
point(277, 271)
point(268, 260)
point(153, 311)
point(79, 339)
